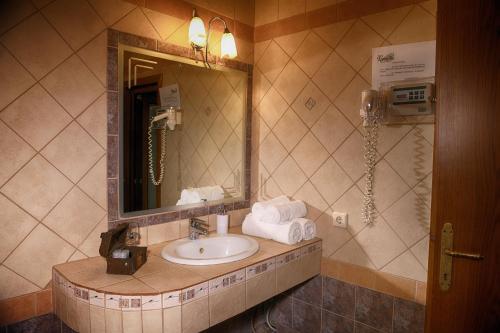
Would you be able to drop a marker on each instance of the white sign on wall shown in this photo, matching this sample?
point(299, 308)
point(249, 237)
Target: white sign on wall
point(402, 62)
point(170, 96)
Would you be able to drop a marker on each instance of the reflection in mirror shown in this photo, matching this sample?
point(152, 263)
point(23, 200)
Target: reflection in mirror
point(182, 132)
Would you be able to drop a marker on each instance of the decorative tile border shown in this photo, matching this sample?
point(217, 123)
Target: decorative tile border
point(68, 294)
point(341, 11)
point(113, 144)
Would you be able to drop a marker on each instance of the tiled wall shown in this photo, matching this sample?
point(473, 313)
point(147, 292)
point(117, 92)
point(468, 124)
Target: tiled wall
point(307, 139)
point(53, 194)
point(53, 128)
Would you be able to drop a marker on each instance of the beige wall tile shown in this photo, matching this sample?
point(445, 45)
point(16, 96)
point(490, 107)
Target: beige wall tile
point(90, 246)
point(350, 202)
point(94, 55)
point(389, 183)
point(287, 8)
point(165, 25)
point(137, 23)
point(38, 269)
point(74, 217)
point(333, 33)
point(288, 276)
point(37, 187)
point(315, 203)
point(15, 78)
point(76, 159)
point(380, 252)
point(289, 176)
point(348, 100)
point(227, 303)
point(395, 285)
point(290, 129)
point(310, 104)
point(163, 232)
point(16, 225)
point(132, 321)
point(73, 85)
point(36, 45)
point(113, 321)
point(14, 285)
point(272, 61)
point(36, 117)
point(290, 82)
point(97, 319)
point(356, 46)
point(411, 158)
point(83, 315)
point(385, 22)
point(331, 173)
point(311, 54)
point(406, 265)
point(333, 76)
point(310, 265)
point(332, 236)
point(260, 288)
point(290, 43)
point(350, 156)
point(172, 320)
point(111, 11)
point(421, 251)
point(332, 128)
point(309, 154)
point(15, 153)
point(271, 152)
point(75, 20)
point(13, 11)
point(317, 4)
point(94, 183)
point(409, 217)
point(418, 26)
point(267, 11)
point(352, 253)
point(195, 315)
point(152, 321)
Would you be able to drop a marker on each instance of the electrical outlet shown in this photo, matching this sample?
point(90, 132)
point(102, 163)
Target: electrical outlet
point(339, 219)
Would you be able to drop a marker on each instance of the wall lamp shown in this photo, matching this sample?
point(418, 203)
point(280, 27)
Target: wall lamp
point(199, 38)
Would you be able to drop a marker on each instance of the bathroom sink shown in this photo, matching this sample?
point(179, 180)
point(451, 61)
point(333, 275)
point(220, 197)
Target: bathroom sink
point(211, 250)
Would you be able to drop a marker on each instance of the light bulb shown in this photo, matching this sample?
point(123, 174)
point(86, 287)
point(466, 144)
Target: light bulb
point(197, 34)
point(228, 45)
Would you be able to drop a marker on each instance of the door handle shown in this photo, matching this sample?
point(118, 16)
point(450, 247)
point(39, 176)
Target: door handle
point(456, 254)
point(447, 255)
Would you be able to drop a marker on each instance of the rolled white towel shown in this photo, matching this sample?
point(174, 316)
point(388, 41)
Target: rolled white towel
point(259, 208)
point(287, 233)
point(308, 228)
point(283, 212)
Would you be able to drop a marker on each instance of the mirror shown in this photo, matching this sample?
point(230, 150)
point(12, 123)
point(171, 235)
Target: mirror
point(182, 132)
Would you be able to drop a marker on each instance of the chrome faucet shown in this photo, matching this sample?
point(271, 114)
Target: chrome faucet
point(197, 227)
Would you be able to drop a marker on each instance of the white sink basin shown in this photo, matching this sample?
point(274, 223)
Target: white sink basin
point(212, 250)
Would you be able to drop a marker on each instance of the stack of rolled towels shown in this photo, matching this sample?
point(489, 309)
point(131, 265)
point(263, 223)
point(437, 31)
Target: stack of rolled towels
point(281, 220)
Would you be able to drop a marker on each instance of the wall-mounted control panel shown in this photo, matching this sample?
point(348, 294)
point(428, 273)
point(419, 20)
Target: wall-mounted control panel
point(411, 99)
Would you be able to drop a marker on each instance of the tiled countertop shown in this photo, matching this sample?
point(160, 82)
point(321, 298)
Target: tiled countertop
point(158, 275)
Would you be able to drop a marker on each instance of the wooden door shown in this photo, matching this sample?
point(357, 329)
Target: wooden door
point(466, 176)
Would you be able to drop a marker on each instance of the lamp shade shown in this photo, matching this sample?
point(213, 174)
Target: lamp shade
point(197, 34)
point(228, 45)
